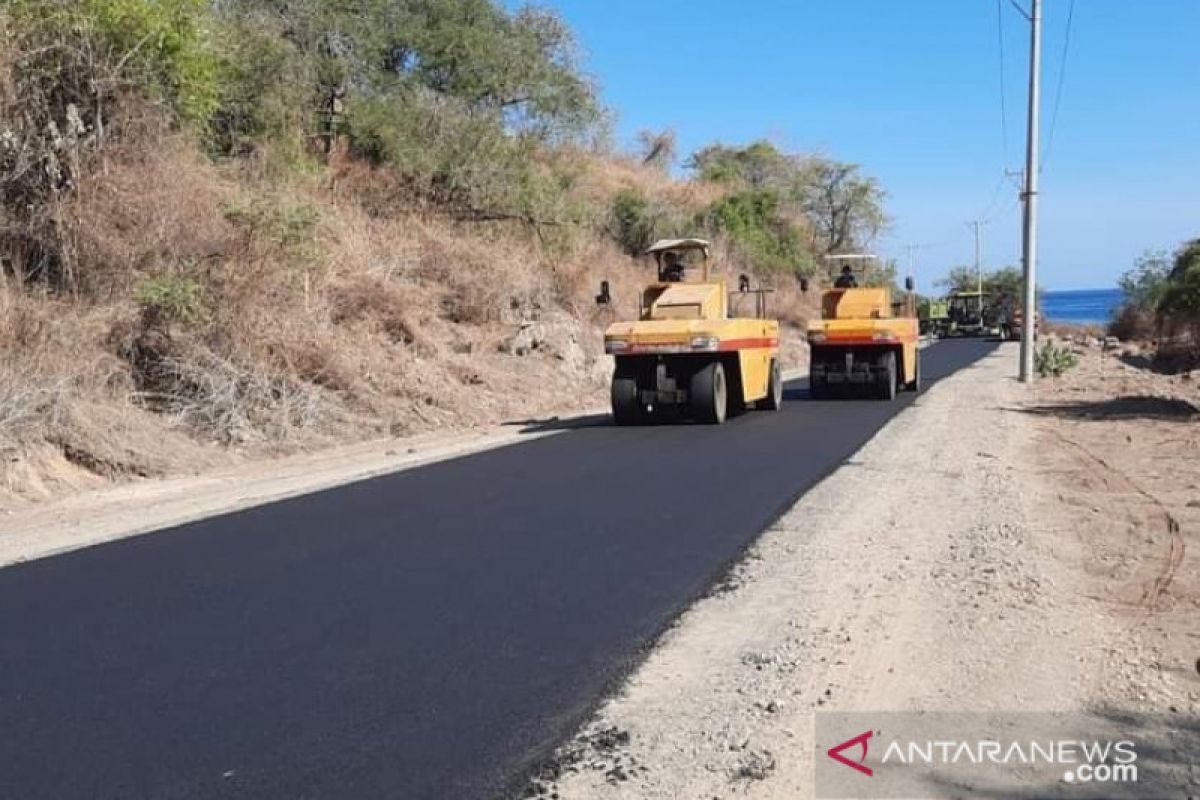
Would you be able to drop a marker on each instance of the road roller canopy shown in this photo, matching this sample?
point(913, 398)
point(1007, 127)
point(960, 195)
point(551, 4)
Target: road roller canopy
point(675, 257)
point(664, 245)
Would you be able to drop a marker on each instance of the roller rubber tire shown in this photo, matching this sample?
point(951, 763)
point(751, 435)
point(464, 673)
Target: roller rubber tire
point(709, 393)
point(887, 386)
point(626, 408)
point(774, 398)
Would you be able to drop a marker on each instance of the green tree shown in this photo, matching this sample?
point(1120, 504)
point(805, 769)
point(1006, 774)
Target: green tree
point(519, 68)
point(842, 208)
point(163, 45)
point(759, 166)
point(753, 222)
point(1005, 283)
point(457, 95)
point(636, 222)
point(1145, 284)
point(1181, 296)
point(70, 70)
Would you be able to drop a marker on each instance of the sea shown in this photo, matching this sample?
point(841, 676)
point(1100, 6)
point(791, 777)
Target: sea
point(1082, 306)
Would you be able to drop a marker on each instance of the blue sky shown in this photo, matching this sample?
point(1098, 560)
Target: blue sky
point(911, 91)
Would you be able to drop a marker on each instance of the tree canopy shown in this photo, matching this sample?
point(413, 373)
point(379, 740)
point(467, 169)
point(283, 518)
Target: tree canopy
point(1181, 295)
point(1006, 282)
point(841, 208)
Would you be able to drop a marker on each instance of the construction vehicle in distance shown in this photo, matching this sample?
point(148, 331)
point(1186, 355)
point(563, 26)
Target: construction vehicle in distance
point(934, 317)
point(690, 349)
point(863, 345)
point(1014, 324)
point(967, 313)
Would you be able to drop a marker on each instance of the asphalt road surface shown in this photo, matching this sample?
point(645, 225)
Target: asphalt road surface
point(429, 634)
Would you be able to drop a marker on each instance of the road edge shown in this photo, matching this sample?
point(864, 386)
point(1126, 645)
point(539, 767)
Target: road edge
point(104, 515)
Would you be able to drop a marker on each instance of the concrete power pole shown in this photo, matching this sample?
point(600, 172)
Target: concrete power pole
point(979, 259)
point(1030, 195)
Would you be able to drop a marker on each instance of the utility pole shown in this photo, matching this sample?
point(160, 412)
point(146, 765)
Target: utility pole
point(978, 259)
point(1030, 195)
point(979, 270)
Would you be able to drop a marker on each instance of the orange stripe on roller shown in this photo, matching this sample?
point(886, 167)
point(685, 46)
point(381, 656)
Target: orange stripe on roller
point(859, 340)
point(731, 345)
point(747, 344)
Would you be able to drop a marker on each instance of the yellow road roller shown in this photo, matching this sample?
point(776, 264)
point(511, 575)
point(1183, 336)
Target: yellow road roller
point(864, 345)
point(696, 347)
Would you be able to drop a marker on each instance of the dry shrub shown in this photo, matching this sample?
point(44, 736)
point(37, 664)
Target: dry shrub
point(1069, 331)
point(38, 375)
point(228, 379)
point(372, 299)
point(315, 359)
point(30, 406)
point(147, 206)
point(146, 200)
point(64, 402)
point(377, 191)
point(483, 280)
point(1179, 345)
point(1133, 324)
point(600, 178)
point(231, 402)
point(789, 304)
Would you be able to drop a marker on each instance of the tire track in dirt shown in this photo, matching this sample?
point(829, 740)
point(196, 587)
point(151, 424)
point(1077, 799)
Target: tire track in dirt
point(1176, 545)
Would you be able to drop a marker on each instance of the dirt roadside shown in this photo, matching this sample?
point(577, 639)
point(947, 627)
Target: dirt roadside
point(1118, 446)
point(943, 569)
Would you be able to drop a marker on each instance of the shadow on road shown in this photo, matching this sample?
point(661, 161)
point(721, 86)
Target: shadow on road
point(549, 424)
point(1156, 408)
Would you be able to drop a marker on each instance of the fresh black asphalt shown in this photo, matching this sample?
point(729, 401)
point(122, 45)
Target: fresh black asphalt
point(428, 634)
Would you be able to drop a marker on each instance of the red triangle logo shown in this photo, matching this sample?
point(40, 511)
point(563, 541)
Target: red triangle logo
point(858, 741)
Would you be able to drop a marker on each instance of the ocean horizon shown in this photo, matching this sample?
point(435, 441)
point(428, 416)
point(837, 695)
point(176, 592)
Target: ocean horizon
point(1082, 306)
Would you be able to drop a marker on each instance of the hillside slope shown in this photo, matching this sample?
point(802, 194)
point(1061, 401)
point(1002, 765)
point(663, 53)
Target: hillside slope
point(223, 237)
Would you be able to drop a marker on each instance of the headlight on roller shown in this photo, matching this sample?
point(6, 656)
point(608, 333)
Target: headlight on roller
point(706, 343)
point(613, 346)
point(816, 337)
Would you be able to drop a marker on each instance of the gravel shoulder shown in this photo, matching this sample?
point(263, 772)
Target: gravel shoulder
point(941, 569)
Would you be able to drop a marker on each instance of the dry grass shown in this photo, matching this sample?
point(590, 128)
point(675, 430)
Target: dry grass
point(144, 209)
point(600, 178)
point(1064, 330)
point(66, 417)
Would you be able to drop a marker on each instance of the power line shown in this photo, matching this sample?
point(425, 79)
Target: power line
point(1058, 91)
point(1003, 91)
point(993, 203)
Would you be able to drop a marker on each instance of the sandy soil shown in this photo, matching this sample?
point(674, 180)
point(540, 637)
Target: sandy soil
point(1119, 448)
point(945, 568)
